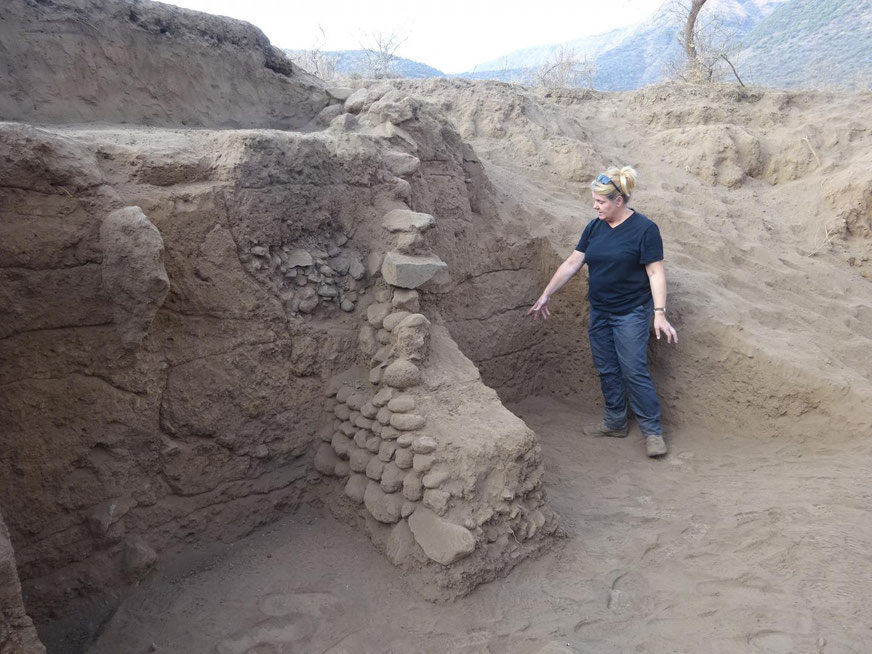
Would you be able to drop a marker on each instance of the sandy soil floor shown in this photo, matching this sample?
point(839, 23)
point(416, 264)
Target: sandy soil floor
point(729, 544)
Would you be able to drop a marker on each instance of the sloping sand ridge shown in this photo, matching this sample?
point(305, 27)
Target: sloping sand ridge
point(302, 320)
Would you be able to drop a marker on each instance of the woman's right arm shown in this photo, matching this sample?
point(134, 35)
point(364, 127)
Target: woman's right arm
point(564, 273)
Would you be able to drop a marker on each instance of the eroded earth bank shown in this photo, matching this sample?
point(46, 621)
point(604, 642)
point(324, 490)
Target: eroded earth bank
point(257, 344)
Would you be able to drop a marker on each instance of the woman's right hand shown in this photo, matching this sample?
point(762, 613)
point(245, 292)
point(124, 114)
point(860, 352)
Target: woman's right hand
point(540, 309)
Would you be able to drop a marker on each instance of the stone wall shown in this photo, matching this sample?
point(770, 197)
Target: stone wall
point(448, 481)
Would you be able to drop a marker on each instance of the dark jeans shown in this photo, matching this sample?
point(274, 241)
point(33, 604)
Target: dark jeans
point(619, 345)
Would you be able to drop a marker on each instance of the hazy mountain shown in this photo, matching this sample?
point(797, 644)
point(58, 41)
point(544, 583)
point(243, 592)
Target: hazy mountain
point(644, 53)
point(355, 62)
point(813, 44)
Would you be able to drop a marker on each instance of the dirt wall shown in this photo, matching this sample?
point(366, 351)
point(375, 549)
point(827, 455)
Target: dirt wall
point(124, 61)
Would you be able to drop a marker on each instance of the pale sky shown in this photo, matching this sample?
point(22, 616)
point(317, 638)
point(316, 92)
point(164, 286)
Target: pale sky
point(451, 35)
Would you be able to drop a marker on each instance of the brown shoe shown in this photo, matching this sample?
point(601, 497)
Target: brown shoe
point(602, 429)
point(655, 445)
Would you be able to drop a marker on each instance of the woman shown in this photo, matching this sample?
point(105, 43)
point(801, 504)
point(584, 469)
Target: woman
point(624, 254)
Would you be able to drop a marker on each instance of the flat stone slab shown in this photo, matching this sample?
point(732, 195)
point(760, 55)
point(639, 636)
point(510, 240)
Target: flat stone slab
point(340, 92)
point(406, 220)
point(298, 258)
point(409, 271)
point(443, 541)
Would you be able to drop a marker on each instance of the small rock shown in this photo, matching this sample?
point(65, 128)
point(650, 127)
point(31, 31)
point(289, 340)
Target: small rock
point(384, 415)
point(376, 313)
point(344, 393)
point(406, 440)
point(443, 541)
point(400, 163)
point(366, 340)
point(342, 411)
point(377, 427)
point(355, 487)
point(325, 459)
point(386, 450)
point(403, 458)
point(382, 294)
point(412, 337)
point(410, 243)
point(405, 220)
point(408, 508)
point(358, 458)
point(327, 291)
point(308, 306)
point(361, 437)
point(400, 543)
point(375, 468)
point(348, 428)
point(408, 422)
point(383, 397)
point(259, 251)
point(413, 488)
point(333, 251)
point(402, 404)
point(384, 507)
point(437, 500)
point(402, 374)
point(422, 462)
point(435, 478)
point(136, 560)
point(261, 451)
point(341, 239)
point(341, 443)
point(383, 336)
point(354, 103)
point(383, 354)
point(369, 410)
point(326, 270)
point(406, 299)
point(376, 374)
point(347, 306)
point(394, 319)
point(342, 469)
point(424, 445)
point(356, 401)
point(373, 444)
point(389, 433)
point(391, 477)
point(339, 92)
point(356, 269)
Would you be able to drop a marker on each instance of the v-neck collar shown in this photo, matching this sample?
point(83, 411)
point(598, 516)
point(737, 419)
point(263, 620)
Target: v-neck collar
point(623, 221)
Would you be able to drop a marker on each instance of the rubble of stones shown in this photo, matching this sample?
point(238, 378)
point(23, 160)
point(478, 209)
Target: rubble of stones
point(326, 272)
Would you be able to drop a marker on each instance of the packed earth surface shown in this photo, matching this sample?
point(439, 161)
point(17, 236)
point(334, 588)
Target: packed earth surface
point(269, 384)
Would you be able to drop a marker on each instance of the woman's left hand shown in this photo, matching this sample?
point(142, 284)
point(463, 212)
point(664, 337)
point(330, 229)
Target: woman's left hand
point(662, 325)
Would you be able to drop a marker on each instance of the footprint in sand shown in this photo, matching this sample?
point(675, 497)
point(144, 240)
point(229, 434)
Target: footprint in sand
point(629, 593)
point(292, 619)
point(772, 642)
point(271, 636)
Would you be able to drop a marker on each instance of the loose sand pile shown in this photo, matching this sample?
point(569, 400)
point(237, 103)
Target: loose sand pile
point(146, 424)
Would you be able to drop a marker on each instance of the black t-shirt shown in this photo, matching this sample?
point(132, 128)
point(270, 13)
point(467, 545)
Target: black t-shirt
point(616, 258)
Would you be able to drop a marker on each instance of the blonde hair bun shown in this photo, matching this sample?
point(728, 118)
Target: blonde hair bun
point(624, 177)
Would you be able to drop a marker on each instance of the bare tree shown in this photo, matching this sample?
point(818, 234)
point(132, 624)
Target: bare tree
point(380, 51)
point(316, 61)
point(564, 69)
point(706, 41)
